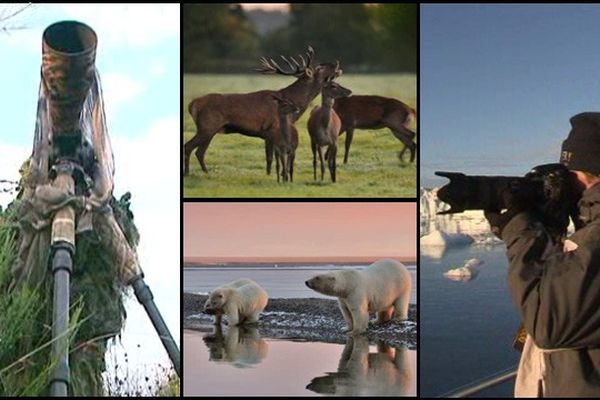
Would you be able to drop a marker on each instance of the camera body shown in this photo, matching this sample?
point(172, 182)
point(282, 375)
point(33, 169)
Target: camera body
point(547, 189)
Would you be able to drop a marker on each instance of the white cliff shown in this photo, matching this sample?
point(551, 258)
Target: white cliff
point(451, 229)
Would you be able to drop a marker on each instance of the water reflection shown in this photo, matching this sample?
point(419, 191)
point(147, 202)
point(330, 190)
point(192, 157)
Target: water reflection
point(241, 346)
point(386, 372)
point(287, 367)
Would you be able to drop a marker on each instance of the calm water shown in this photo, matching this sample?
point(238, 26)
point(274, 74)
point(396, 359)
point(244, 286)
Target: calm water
point(239, 362)
point(466, 328)
point(280, 282)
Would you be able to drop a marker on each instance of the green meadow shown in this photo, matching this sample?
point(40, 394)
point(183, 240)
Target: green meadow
point(237, 165)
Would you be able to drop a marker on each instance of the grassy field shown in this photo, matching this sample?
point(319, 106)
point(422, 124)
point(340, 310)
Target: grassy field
point(237, 166)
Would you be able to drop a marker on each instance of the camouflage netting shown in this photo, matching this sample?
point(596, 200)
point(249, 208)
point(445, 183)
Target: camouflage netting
point(97, 312)
point(105, 260)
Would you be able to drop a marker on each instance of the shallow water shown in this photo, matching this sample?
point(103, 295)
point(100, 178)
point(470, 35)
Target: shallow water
point(466, 328)
point(238, 362)
point(279, 282)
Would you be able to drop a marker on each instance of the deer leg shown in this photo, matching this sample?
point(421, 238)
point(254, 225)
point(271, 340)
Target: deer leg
point(349, 135)
point(413, 146)
point(202, 138)
point(188, 148)
point(406, 136)
point(332, 155)
point(269, 154)
point(277, 164)
point(322, 161)
point(292, 158)
point(285, 165)
point(314, 151)
point(202, 146)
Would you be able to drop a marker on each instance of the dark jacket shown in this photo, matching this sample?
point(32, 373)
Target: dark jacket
point(558, 295)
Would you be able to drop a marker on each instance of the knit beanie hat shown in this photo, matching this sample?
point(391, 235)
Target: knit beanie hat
point(581, 150)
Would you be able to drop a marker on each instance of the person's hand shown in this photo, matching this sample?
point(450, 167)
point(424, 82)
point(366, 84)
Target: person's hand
point(499, 220)
point(516, 199)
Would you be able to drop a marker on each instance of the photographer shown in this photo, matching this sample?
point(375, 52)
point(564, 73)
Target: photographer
point(556, 283)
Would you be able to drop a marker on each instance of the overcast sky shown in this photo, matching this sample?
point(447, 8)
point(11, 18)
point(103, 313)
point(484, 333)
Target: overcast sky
point(299, 229)
point(138, 62)
point(499, 84)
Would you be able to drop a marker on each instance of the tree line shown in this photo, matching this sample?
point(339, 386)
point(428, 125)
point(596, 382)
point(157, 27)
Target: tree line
point(365, 38)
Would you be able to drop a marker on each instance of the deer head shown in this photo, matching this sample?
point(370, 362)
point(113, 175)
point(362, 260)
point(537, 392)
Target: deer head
point(334, 90)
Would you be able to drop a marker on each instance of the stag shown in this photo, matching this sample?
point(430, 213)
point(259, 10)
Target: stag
point(376, 112)
point(324, 128)
point(255, 114)
point(286, 142)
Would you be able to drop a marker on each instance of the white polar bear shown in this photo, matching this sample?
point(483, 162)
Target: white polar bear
point(242, 301)
point(384, 287)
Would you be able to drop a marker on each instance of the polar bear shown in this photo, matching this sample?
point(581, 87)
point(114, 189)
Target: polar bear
point(384, 287)
point(241, 300)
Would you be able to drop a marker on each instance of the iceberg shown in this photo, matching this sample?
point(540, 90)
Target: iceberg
point(465, 273)
point(470, 223)
point(440, 238)
point(472, 263)
point(461, 274)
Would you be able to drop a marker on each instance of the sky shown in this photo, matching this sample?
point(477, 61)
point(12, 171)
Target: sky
point(138, 63)
point(299, 229)
point(499, 84)
point(266, 6)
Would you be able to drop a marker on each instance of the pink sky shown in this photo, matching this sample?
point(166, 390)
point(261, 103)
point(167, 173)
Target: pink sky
point(299, 229)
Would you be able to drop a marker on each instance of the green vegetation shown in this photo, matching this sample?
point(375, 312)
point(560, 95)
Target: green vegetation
point(26, 366)
point(26, 318)
point(365, 37)
point(237, 165)
point(171, 387)
point(97, 312)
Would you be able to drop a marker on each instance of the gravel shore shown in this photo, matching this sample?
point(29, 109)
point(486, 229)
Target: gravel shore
point(307, 319)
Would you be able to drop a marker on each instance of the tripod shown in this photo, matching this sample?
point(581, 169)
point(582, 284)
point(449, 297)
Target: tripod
point(63, 248)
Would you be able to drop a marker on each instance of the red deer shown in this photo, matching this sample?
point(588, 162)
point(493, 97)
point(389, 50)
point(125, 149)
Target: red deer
point(376, 112)
point(255, 114)
point(286, 142)
point(324, 128)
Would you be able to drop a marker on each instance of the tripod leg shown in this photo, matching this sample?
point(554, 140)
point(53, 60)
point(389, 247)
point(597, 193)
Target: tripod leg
point(61, 268)
point(144, 296)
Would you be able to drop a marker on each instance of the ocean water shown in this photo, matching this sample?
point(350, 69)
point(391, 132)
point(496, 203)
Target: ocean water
point(466, 328)
point(280, 282)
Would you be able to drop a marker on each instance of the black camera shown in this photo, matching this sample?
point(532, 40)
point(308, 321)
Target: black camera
point(547, 189)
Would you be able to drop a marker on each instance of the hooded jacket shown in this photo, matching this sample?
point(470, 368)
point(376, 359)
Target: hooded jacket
point(558, 295)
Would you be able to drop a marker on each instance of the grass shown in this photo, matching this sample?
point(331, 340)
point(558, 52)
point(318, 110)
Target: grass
point(237, 166)
point(25, 339)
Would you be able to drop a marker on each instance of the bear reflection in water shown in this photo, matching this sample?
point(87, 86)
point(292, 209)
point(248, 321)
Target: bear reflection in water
point(240, 346)
point(386, 372)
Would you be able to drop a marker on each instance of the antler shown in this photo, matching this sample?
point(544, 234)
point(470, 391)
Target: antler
point(270, 66)
point(310, 54)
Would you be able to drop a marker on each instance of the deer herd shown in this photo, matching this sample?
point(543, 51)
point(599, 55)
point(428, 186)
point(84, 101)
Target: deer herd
point(271, 115)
